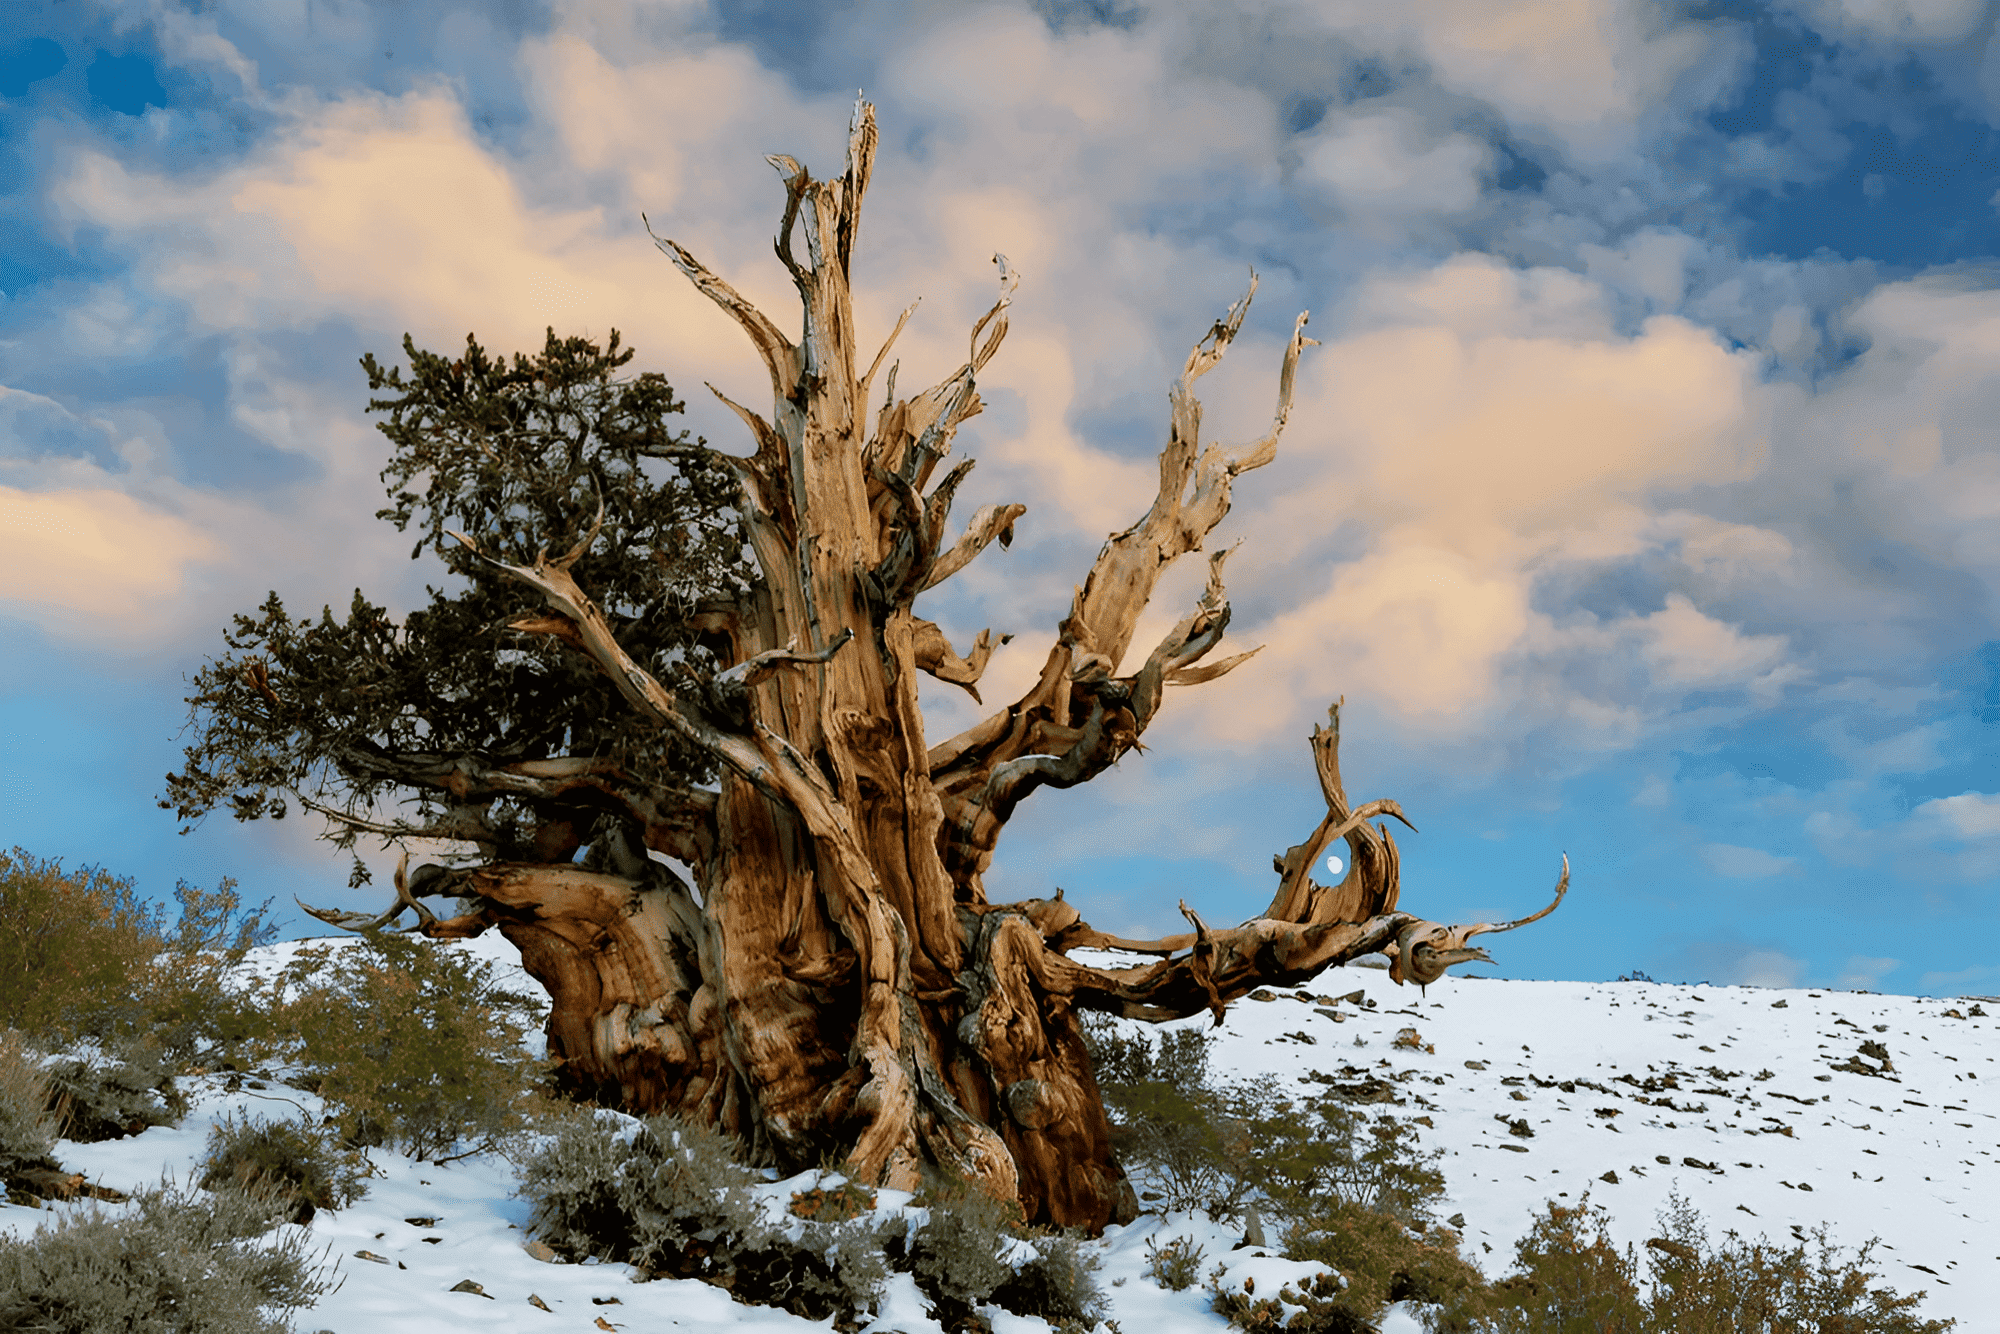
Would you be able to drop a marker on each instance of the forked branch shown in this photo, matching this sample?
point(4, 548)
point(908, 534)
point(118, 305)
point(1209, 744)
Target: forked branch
point(1307, 928)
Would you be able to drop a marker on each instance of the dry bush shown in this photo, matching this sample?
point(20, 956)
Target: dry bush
point(295, 1164)
point(71, 947)
point(178, 1263)
point(27, 1127)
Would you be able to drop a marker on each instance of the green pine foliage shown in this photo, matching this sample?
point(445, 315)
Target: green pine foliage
point(177, 1262)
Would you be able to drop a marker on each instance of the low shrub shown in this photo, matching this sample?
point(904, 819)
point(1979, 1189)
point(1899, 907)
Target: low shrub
point(190, 1005)
point(820, 1205)
point(1568, 1275)
point(1704, 1289)
point(660, 1194)
point(955, 1253)
point(177, 1263)
point(1175, 1266)
point(1382, 1259)
point(1167, 1123)
point(82, 955)
point(27, 1127)
point(1320, 1297)
point(1057, 1284)
point(411, 1045)
point(119, 1090)
point(1308, 1159)
point(296, 1164)
point(833, 1270)
point(673, 1200)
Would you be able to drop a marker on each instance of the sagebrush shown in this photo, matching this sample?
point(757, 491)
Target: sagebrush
point(296, 1164)
point(177, 1262)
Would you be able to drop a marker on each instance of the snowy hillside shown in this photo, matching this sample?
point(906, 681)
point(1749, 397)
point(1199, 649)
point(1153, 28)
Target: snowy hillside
point(1771, 1111)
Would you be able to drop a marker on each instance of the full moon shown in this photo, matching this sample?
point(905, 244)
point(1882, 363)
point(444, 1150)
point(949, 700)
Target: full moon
point(1333, 865)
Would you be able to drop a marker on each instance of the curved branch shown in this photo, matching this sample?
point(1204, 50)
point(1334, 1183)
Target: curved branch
point(861, 391)
point(987, 523)
point(1093, 639)
point(934, 654)
point(780, 357)
point(406, 897)
point(1423, 950)
point(754, 671)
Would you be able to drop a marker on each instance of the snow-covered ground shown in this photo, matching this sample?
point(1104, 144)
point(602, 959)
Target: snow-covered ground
point(1659, 1086)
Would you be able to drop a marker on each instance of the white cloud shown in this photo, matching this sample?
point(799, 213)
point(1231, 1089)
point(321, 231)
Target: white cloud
point(1765, 968)
point(1745, 863)
point(1928, 22)
point(1969, 815)
point(1862, 972)
point(1379, 169)
point(99, 553)
point(1687, 647)
point(1959, 983)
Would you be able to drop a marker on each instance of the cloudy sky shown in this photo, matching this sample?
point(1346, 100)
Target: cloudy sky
point(1641, 498)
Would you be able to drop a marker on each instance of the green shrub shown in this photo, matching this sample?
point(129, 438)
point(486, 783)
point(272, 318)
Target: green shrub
point(82, 955)
point(1699, 1289)
point(122, 1089)
point(189, 1003)
point(1177, 1056)
point(1568, 1276)
point(1056, 1284)
point(71, 947)
point(1175, 1266)
point(954, 1254)
point(673, 1200)
point(1167, 1123)
point(410, 1044)
point(295, 1164)
point(176, 1263)
point(1307, 1159)
point(1382, 1259)
point(27, 1127)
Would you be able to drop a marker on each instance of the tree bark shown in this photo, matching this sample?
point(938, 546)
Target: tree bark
point(835, 981)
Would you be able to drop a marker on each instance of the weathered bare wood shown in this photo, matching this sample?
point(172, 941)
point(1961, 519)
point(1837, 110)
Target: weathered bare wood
point(835, 980)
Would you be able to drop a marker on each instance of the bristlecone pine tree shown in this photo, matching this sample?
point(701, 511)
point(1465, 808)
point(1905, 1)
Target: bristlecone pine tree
point(836, 981)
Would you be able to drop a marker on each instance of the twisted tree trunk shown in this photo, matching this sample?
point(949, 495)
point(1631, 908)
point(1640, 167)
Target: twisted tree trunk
point(835, 981)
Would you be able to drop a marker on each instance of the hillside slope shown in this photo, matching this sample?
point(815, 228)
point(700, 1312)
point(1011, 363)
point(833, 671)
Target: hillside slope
point(1764, 1108)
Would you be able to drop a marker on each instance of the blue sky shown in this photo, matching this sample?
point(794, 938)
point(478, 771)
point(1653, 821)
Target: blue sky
point(1640, 499)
